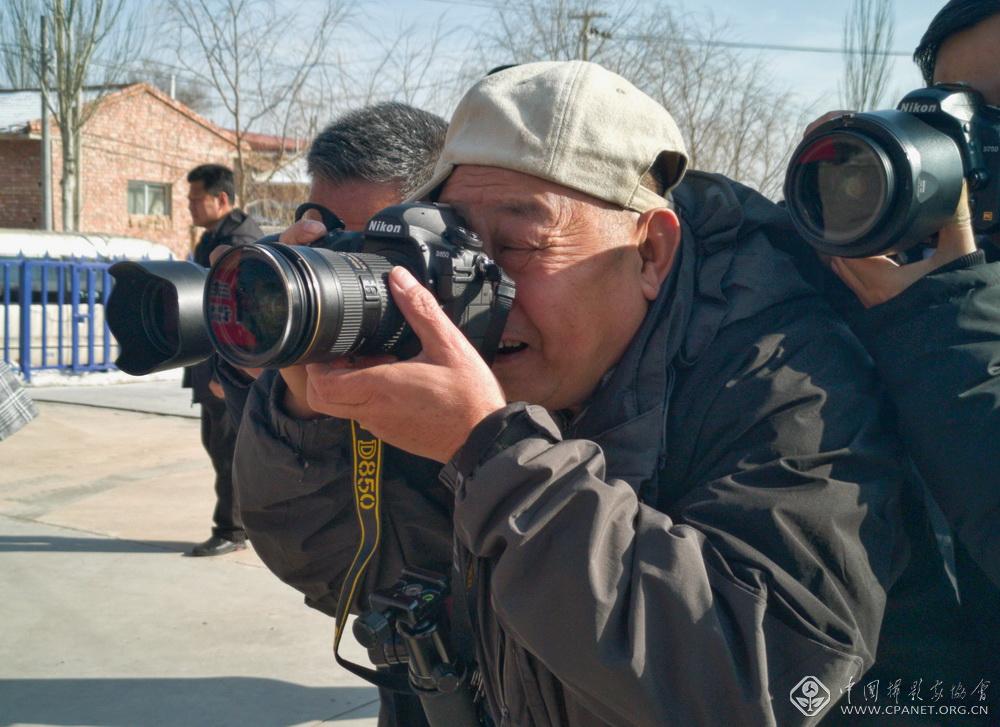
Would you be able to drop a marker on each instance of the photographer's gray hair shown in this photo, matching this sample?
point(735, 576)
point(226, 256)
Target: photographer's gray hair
point(384, 143)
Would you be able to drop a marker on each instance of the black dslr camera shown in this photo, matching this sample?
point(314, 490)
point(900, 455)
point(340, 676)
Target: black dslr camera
point(872, 183)
point(274, 305)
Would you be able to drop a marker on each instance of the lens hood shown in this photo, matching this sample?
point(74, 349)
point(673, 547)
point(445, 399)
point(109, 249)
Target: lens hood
point(155, 313)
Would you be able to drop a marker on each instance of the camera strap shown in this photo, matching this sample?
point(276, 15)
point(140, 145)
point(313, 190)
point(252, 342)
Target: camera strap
point(367, 453)
point(503, 301)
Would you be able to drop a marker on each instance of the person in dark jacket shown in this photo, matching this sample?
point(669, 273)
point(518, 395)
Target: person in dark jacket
point(364, 161)
point(933, 326)
point(674, 498)
point(211, 196)
point(933, 330)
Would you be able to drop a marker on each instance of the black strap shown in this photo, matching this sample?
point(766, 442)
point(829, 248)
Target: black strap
point(367, 450)
point(503, 300)
point(329, 218)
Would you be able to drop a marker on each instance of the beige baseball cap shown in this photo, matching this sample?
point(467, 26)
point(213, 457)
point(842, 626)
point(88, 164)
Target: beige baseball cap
point(570, 122)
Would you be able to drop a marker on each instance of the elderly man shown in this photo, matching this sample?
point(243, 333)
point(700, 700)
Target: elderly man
point(672, 497)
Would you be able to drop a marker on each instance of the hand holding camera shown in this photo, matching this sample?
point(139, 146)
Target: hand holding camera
point(875, 280)
point(426, 405)
point(414, 285)
point(877, 183)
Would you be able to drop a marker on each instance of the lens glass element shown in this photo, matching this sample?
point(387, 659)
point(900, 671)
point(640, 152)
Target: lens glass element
point(159, 316)
point(842, 186)
point(248, 303)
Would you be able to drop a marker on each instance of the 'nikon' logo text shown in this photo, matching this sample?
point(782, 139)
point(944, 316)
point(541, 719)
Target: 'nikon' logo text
point(912, 107)
point(380, 226)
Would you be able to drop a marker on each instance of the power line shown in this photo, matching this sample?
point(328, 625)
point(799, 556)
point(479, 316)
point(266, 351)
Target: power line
point(693, 41)
point(684, 41)
point(769, 46)
point(586, 30)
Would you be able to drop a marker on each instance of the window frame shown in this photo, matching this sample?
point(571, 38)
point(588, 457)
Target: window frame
point(134, 184)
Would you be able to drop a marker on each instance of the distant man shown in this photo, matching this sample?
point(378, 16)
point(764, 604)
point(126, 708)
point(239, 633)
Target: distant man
point(210, 201)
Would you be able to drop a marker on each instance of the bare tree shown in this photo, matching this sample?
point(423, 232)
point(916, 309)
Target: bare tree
point(88, 51)
point(734, 118)
point(192, 93)
point(868, 36)
point(241, 49)
point(19, 44)
point(407, 64)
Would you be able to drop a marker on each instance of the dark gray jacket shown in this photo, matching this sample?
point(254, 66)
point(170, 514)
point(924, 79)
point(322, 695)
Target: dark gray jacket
point(721, 522)
point(937, 348)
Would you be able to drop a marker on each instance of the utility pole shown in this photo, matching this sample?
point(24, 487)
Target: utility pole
point(46, 141)
point(586, 31)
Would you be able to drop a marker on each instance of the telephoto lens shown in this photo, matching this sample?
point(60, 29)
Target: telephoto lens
point(274, 305)
point(269, 305)
point(881, 182)
point(869, 184)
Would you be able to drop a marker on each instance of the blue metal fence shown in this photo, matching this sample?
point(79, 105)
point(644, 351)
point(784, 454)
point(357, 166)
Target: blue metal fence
point(53, 315)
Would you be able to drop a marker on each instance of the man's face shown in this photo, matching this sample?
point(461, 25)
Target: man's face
point(206, 209)
point(353, 202)
point(578, 269)
point(973, 56)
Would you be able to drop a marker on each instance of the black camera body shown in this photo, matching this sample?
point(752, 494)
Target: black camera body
point(274, 305)
point(870, 183)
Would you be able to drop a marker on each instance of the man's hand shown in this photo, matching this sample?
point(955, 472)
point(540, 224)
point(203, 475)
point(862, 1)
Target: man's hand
point(878, 279)
point(216, 388)
point(427, 405)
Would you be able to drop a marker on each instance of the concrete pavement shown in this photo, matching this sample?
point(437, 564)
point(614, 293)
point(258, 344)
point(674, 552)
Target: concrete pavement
point(161, 394)
point(103, 622)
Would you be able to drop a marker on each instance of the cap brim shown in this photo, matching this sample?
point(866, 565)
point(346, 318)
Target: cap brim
point(430, 189)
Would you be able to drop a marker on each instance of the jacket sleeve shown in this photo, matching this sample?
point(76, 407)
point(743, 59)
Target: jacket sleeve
point(771, 567)
point(937, 347)
point(295, 483)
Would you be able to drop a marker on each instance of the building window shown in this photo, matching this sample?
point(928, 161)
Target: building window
point(148, 198)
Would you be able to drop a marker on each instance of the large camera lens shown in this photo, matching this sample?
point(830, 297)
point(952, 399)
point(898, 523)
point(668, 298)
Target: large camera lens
point(845, 184)
point(873, 183)
point(274, 305)
point(248, 303)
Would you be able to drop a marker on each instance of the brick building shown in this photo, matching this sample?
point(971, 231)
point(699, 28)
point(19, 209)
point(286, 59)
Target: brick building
point(137, 149)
